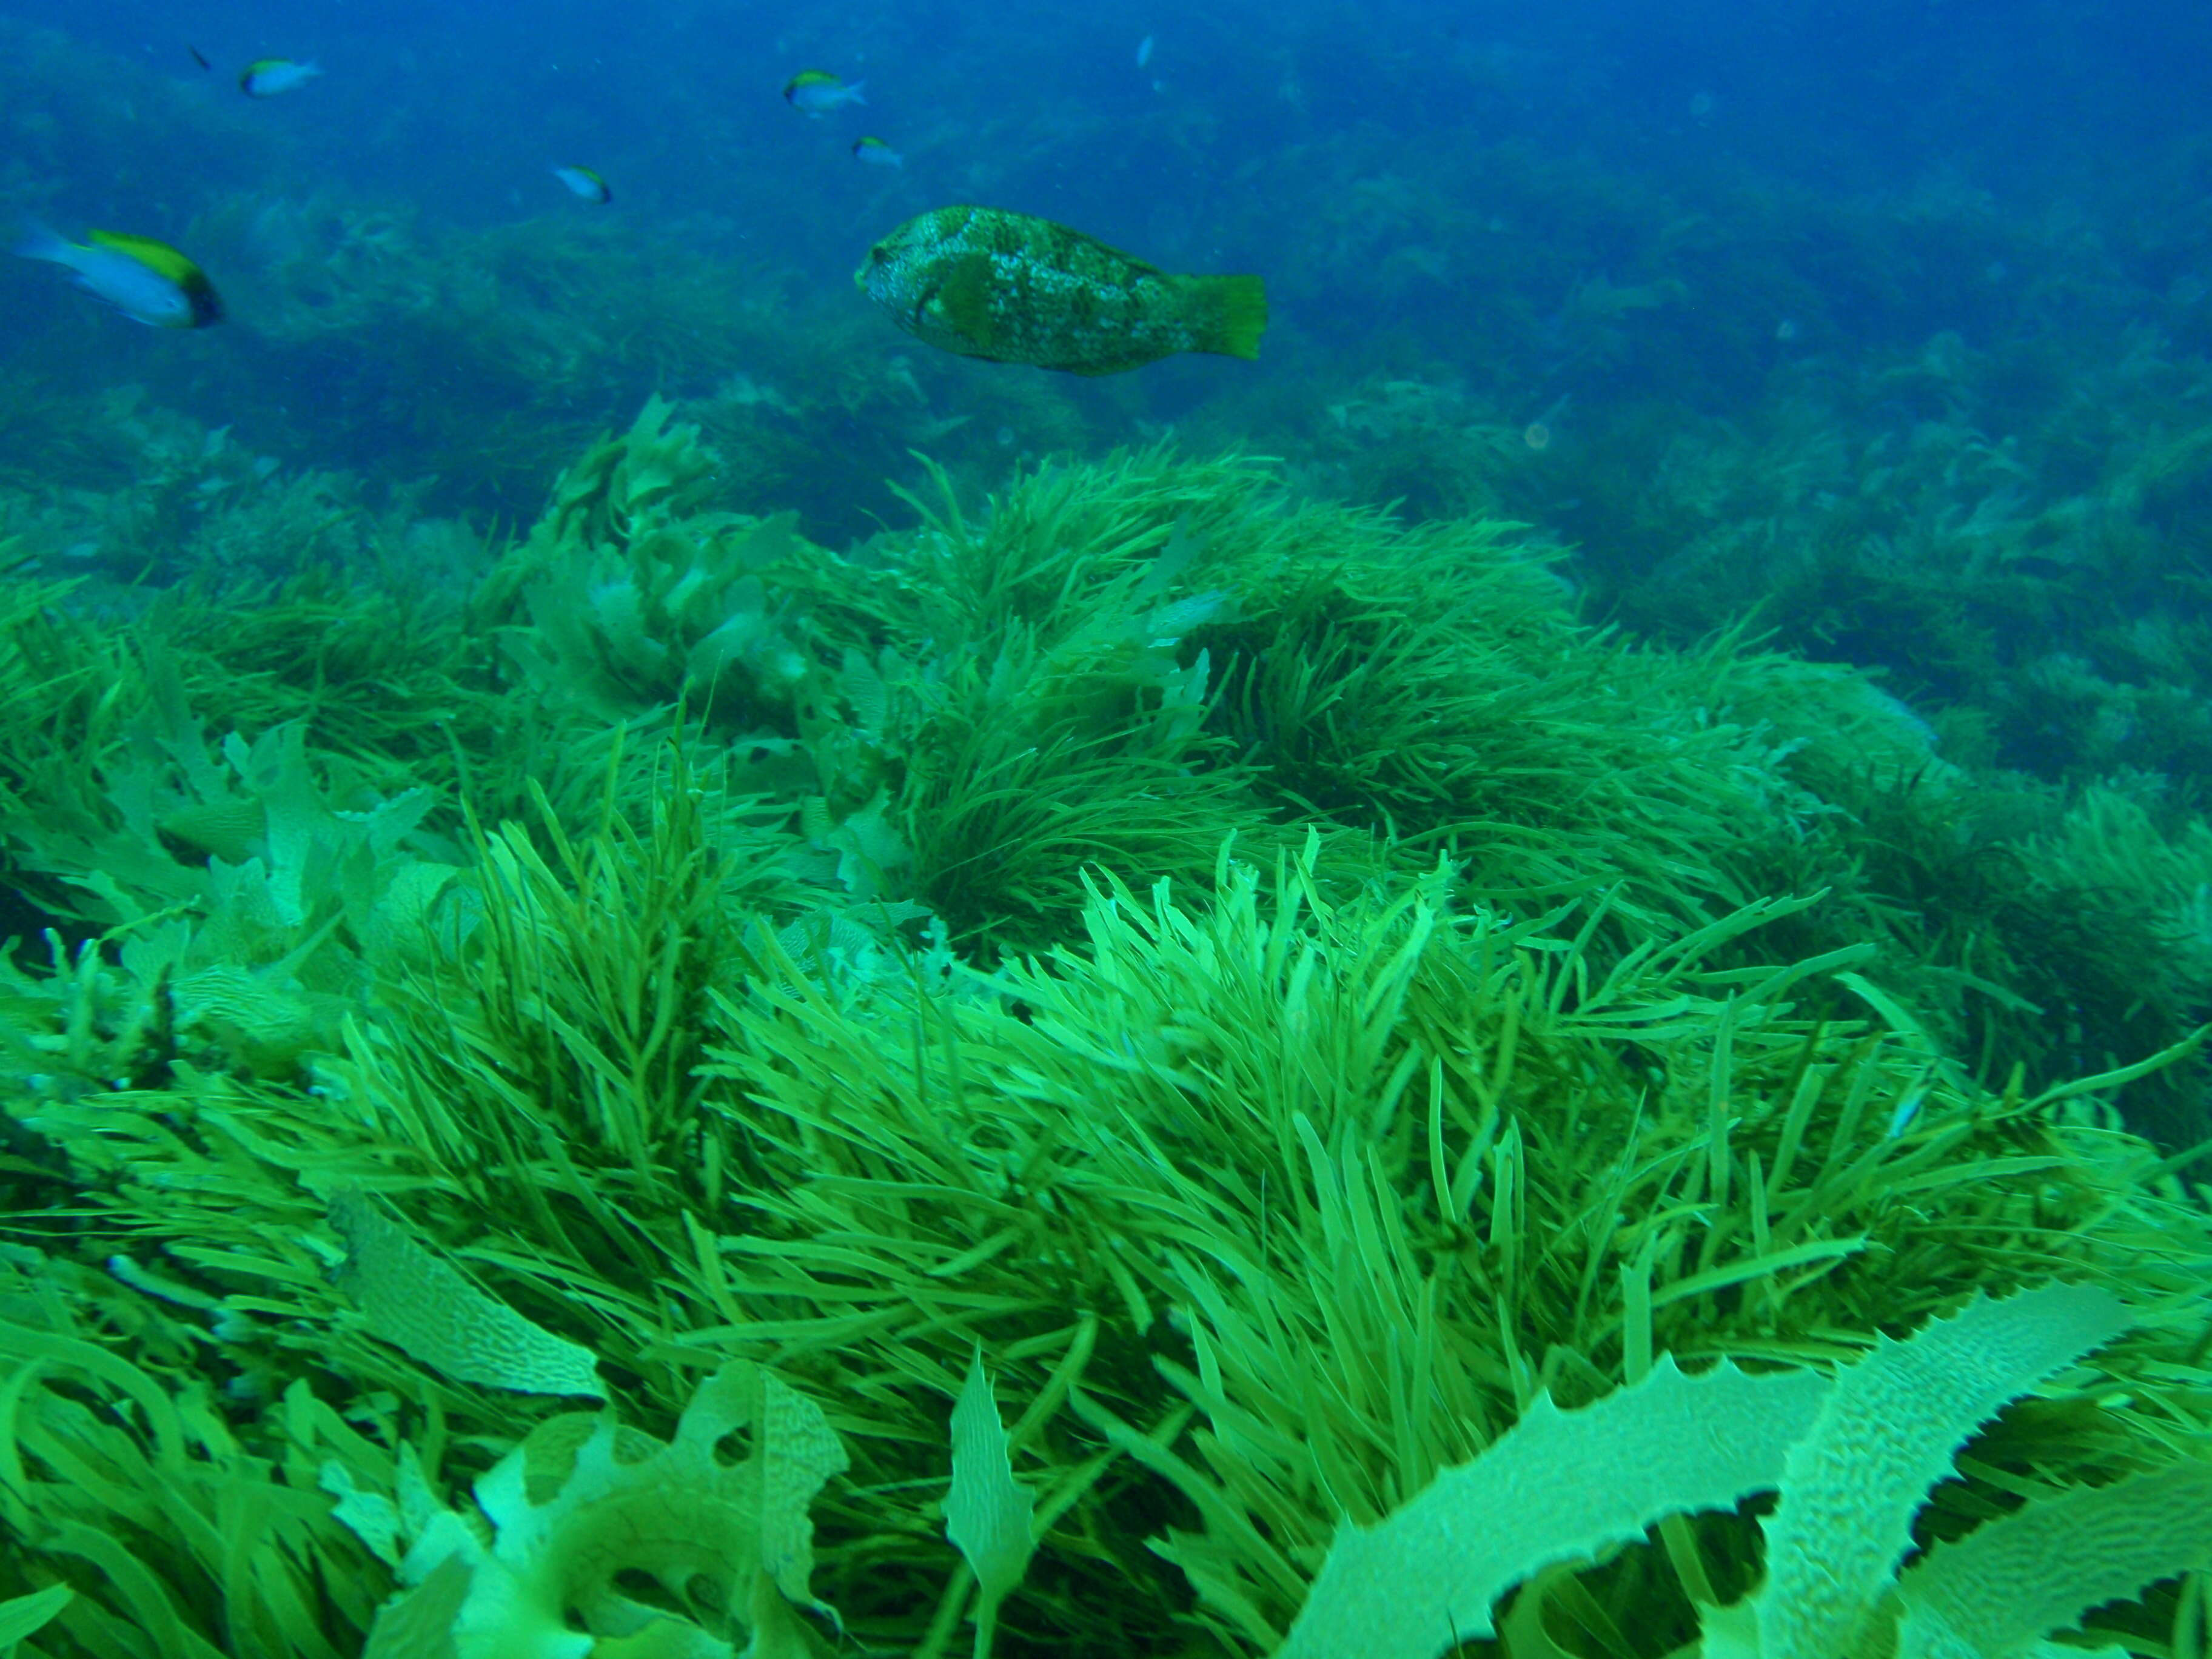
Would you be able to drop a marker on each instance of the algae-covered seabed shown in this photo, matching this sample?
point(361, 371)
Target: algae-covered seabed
point(527, 1112)
point(618, 1080)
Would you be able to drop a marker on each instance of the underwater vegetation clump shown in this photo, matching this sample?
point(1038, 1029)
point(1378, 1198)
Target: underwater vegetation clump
point(1023, 1089)
point(1263, 1210)
point(234, 897)
point(639, 594)
point(487, 343)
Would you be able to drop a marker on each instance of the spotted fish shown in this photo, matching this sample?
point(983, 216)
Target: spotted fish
point(986, 283)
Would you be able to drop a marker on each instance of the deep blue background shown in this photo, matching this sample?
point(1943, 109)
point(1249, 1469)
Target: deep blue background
point(465, 105)
point(1348, 151)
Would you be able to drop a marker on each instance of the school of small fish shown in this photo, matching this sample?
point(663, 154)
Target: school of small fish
point(979, 282)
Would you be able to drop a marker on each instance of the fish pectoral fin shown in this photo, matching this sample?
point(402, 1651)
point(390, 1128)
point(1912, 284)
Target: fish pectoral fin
point(964, 299)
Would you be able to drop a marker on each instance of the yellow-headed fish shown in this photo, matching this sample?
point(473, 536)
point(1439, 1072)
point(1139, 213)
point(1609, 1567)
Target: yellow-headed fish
point(986, 283)
point(817, 92)
point(582, 181)
point(147, 281)
point(267, 78)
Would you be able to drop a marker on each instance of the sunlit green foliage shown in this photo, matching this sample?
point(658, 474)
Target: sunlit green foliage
point(1266, 979)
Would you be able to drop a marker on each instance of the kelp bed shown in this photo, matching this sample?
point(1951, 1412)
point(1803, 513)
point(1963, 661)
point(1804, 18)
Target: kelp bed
point(1006, 1090)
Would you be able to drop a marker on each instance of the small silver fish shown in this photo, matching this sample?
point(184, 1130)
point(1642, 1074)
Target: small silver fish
point(265, 77)
point(817, 92)
point(582, 181)
point(876, 154)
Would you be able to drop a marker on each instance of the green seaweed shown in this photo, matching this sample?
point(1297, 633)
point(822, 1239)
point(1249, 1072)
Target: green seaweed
point(1259, 983)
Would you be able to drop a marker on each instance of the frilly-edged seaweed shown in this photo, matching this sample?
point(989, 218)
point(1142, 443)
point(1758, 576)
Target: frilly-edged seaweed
point(241, 894)
point(1060, 984)
point(1852, 1460)
point(580, 1511)
point(1274, 1118)
point(1464, 1183)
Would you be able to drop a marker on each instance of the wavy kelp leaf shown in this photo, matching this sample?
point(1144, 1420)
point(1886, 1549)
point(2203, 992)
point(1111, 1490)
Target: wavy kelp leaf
point(987, 1514)
point(582, 1503)
point(425, 1305)
point(1556, 1486)
point(798, 1451)
point(1997, 1591)
point(245, 891)
point(420, 1624)
point(24, 1616)
point(1885, 1436)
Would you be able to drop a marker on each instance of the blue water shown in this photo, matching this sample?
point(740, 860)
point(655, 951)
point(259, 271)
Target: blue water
point(457, 107)
point(1425, 188)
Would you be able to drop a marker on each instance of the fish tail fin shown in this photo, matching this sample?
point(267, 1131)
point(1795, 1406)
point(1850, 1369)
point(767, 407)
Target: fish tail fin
point(37, 240)
point(1231, 314)
point(852, 92)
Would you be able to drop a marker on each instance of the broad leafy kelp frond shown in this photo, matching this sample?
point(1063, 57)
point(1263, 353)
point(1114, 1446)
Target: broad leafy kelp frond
point(1317, 1143)
point(680, 614)
point(639, 597)
point(622, 488)
point(1853, 1461)
point(1264, 1208)
point(1393, 1171)
point(583, 1514)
